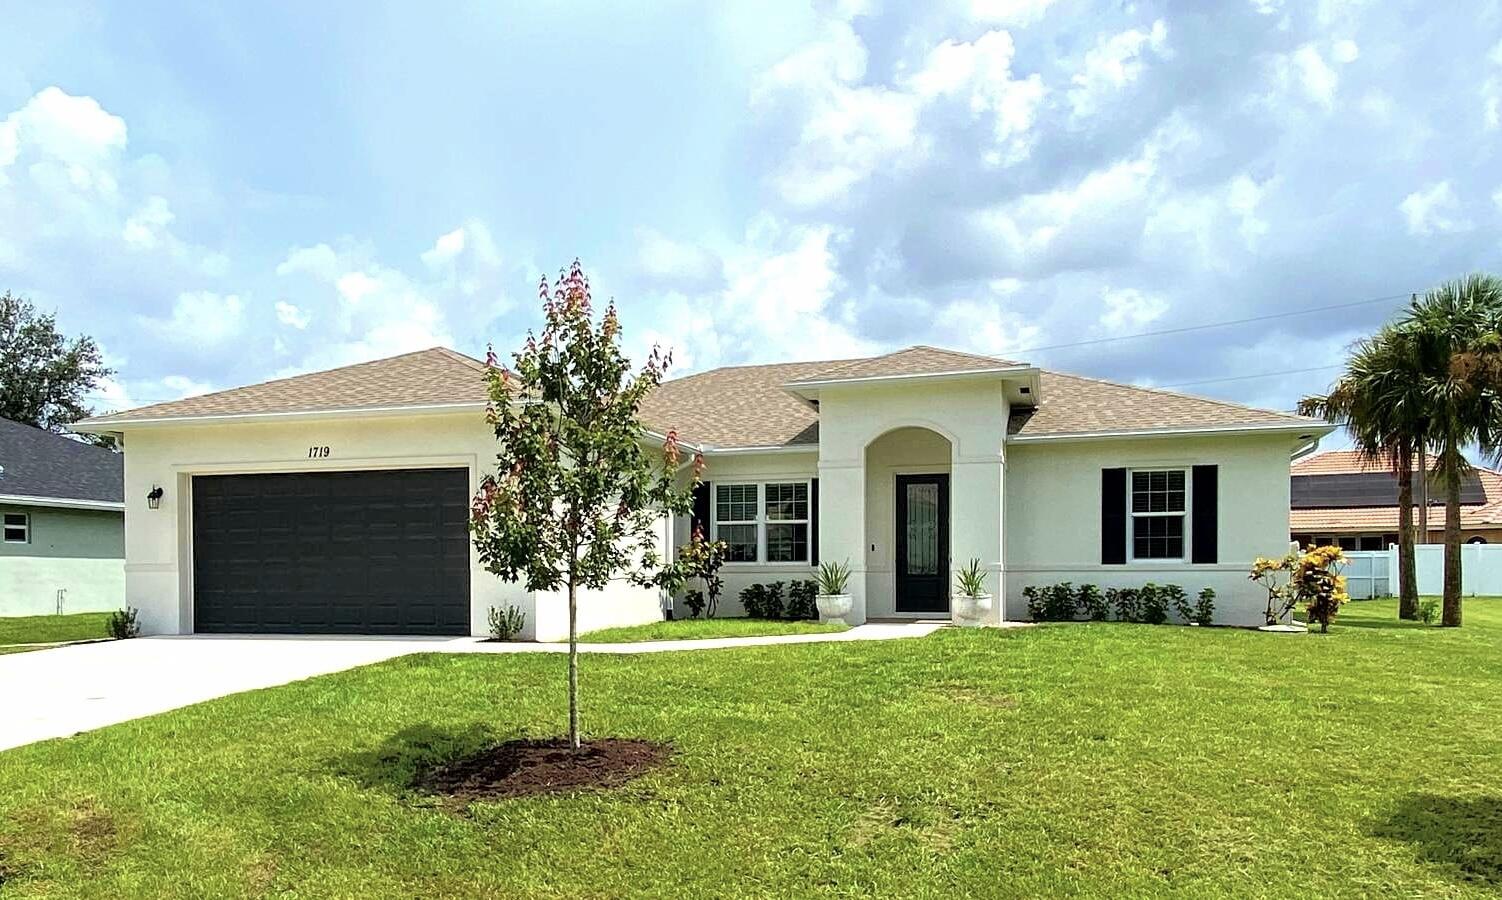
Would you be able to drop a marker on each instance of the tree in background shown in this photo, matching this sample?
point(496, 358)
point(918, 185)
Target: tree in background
point(1456, 329)
point(44, 378)
point(1381, 404)
point(576, 499)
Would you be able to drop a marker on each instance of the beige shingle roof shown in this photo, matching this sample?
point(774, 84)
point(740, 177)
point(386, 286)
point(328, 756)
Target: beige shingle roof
point(435, 376)
point(919, 360)
point(1073, 404)
point(738, 406)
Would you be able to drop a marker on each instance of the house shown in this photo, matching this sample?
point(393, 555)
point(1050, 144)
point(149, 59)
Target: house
point(62, 549)
point(337, 501)
point(1339, 498)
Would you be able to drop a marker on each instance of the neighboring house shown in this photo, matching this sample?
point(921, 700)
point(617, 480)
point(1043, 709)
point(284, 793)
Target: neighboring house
point(337, 501)
point(63, 543)
point(1337, 498)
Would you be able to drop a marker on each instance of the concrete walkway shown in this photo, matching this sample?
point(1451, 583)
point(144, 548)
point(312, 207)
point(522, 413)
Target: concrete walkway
point(80, 687)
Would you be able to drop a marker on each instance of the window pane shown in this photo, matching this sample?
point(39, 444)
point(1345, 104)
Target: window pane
point(735, 503)
point(740, 541)
point(787, 501)
point(922, 529)
point(1158, 537)
point(787, 543)
point(1161, 491)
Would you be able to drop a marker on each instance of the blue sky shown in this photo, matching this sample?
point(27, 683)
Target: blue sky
point(224, 195)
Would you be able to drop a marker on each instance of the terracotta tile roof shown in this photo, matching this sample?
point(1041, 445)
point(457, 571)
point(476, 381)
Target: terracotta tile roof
point(918, 360)
point(1385, 518)
point(738, 406)
point(1343, 462)
point(434, 376)
point(1073, 404)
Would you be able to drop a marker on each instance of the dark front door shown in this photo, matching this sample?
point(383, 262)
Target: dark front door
point(332, 552)
point(922, 543)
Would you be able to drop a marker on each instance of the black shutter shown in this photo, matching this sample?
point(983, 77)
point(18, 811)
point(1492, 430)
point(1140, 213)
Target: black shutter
point(1113, 516)
point(813, 528)
point(701, 511)
point(1203, 530)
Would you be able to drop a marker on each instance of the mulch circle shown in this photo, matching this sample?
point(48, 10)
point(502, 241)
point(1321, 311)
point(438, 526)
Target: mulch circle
point(522, 768)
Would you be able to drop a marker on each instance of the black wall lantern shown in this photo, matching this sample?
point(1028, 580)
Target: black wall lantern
point(154, 499)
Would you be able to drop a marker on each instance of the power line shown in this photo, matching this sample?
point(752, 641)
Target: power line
point(1226, 324)
point(1250, 377)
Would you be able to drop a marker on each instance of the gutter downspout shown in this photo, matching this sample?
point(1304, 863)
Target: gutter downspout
point(1304, 451)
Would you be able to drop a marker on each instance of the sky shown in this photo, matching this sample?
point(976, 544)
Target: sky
point(225, 193)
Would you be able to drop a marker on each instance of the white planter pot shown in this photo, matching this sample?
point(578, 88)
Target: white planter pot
point(833, 607)
point(970, 610)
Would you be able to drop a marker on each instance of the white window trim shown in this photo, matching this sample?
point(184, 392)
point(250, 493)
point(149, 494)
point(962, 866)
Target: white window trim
point(6, 526)
point(762, 521)
point(1132, 517)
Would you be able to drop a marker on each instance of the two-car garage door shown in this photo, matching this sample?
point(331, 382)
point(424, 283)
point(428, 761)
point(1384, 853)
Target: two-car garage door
point(384, 552)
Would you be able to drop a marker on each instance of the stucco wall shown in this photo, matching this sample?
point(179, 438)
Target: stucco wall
point(756, 467)
point(79, 552)
point(158, 571)
point(1054, 520)
point(902, 452)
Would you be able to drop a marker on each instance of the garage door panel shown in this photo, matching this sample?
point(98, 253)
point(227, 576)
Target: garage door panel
point(333, 553)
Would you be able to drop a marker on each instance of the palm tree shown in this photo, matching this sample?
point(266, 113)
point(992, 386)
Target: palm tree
point(1455, 329)
point(1377, 401)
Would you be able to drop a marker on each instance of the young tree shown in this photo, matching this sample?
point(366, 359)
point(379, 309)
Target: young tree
point(44, 378)
point(577, 497)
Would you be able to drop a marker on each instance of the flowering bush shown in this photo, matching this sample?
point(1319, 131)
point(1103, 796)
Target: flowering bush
point(1273, 575)
point(701, 559)
point(1315, 581)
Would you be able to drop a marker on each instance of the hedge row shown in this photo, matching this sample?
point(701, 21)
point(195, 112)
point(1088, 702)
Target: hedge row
point(1150, 603)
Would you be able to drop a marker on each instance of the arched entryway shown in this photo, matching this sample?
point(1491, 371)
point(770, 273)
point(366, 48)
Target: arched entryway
point(908, 523)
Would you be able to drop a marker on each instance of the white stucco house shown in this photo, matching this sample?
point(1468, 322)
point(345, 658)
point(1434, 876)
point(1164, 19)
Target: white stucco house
point(336, 501)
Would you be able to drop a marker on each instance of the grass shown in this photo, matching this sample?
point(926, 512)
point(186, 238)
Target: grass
point(692, 629)
point(52, 629)
point(1094, 759)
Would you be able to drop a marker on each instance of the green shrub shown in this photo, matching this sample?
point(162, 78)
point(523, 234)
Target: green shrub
point(763, 601)
point(123, 624)
point(1429, 610)
point(1092, 603)
point(694, 600)
point(1058, 602)
point(1152, 604)
point(1126, 603)
point(1204, 607)
point(1034, 599)
point(506, 622)
point(801, 603)
point(1178, 601)
point(833, 578)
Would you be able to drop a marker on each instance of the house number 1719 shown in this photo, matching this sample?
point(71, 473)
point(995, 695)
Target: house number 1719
point(318, 452)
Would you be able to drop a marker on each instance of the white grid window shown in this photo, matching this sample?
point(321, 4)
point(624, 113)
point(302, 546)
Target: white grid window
point(735, 521)
point(17, 528)
point(768, 522)
point(1158, 508)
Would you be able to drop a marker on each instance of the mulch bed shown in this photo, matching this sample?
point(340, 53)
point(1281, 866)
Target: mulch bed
point(522, 768)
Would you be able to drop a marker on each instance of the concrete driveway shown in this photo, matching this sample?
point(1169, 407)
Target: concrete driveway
point(65, 690)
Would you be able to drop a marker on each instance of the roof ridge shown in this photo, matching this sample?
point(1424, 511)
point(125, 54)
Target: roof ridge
point(283, 379)
point(966, 353)
point(1181, 395)
point(790, 362)
point(457, 357)
point(66, 441)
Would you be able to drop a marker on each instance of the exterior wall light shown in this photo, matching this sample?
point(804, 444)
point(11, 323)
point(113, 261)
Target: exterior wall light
point(154, 499)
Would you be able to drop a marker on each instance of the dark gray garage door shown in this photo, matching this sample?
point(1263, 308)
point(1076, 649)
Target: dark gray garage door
point(332, 553)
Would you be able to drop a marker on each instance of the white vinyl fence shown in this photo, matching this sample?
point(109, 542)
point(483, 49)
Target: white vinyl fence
point(1374, 573)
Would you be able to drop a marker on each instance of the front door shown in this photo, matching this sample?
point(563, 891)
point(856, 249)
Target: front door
point(922, 544)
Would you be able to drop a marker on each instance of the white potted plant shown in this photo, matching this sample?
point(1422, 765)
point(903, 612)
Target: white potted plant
point(971, 601)
point(833, 599)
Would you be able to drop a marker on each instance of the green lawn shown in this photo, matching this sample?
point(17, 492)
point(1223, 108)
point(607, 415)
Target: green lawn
point(41, 629)
point(690, 629)
point(1093, 759)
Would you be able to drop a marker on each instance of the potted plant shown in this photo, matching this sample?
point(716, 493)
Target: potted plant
point(971, 601)
point(833, 600)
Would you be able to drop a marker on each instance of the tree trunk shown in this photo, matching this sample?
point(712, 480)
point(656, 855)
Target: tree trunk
point(573, 664)
point(1451, 465)
point(1423, 493)
point(1408, 588)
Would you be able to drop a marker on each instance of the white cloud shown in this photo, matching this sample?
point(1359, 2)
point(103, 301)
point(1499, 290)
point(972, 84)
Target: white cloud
point(1112, 64)
point(319, 261)
point(291, 316)
point(1434, 210)
point(1130, 309)
point(201, 319)
point(445, 248)
point(58, 125)
point(679, 264)
point(979, 74)
point(1345, 51)
point(1315, 77)
point(1009, 12)
point(147, 228)
point(982, 326)
point(1243, 196)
